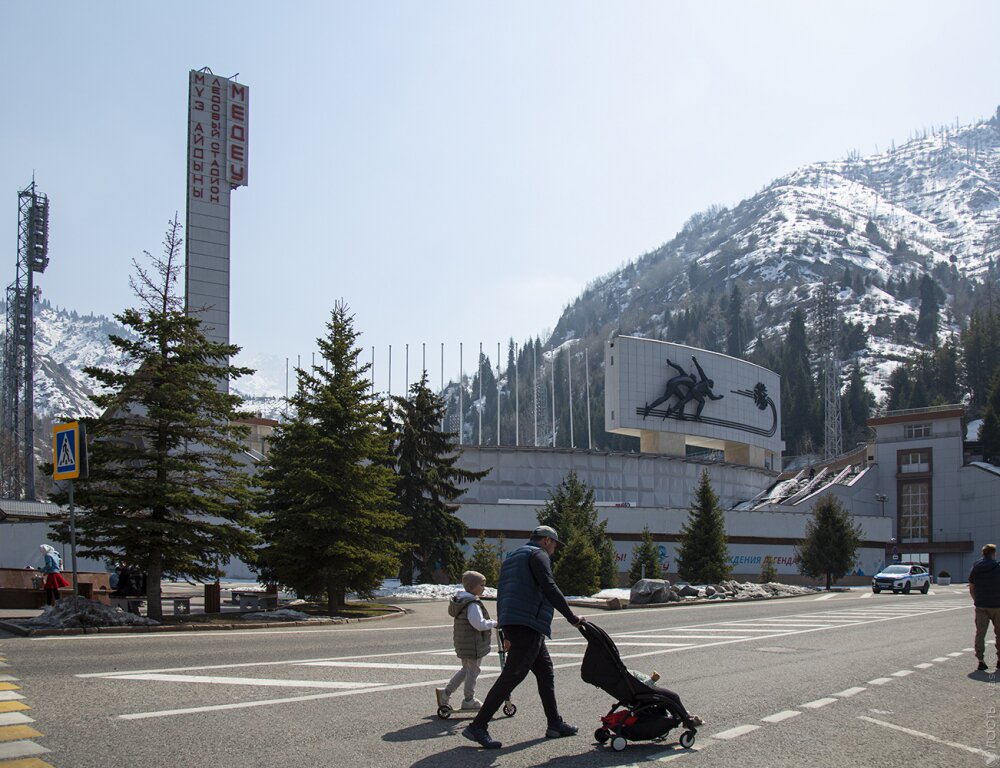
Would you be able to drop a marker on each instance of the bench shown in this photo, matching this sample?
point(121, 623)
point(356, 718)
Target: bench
point(255, 601)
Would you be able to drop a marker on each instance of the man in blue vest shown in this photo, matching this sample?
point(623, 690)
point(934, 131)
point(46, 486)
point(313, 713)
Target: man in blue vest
point(527, 597)
point(984, 588)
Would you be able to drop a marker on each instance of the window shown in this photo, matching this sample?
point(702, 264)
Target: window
point(915, 461)
point(916, 430)
point(914, 511)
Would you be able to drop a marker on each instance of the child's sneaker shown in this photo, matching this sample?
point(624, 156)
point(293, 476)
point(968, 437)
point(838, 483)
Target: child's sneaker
point(472, 704)
point(442, 697)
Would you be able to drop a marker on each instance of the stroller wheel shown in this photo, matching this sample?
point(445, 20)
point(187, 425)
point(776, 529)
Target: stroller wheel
point(444, 712)
point(509, 709)
point(618, 743)
point(687, 739)
point(602, 735)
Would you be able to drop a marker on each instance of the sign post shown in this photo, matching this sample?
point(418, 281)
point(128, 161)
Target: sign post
point(69, 462)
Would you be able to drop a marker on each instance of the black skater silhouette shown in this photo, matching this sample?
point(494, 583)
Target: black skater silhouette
point(698, 391)
point(675, 387)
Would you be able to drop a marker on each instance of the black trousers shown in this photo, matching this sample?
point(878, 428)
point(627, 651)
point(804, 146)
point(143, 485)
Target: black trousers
point(527, 654)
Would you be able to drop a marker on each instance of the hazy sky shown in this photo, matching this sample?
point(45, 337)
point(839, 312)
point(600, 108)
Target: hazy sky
point(455, 171)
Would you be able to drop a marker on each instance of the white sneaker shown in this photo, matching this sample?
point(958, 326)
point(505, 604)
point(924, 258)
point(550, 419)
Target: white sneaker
point(442, 697)
point(472, 704)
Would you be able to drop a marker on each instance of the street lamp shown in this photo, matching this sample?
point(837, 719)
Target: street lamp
point(881, 497)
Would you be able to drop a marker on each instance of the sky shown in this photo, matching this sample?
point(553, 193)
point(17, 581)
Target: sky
point(455, 172)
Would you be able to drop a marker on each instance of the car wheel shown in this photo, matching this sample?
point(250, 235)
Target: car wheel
point(906, 588)
point(876, 590)
point(925, 588)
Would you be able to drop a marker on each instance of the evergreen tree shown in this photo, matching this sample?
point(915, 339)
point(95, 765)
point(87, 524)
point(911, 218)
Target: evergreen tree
point(703, 556)
point(989, 432)
point(831, 544)
point(332, 524)
point(577, 571)
point(856, 408)
point(800, 406)
point(571, 506)
point(645, 559)
point(768, 570)
point(930, 310)
point(166, 492)
point(485, 559)
point(427, 486)
point(981, 344)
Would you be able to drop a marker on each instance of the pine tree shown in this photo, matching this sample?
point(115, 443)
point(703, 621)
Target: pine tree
point(768, 570)
point(702, 555)
point(989, 432)
point(930, 310)
point(485, 559)
point(427, 485)
point(571, 506)
point(645, 559)
point(166, 491)
point(831, 544)
point(332, 524)
point(577, 571)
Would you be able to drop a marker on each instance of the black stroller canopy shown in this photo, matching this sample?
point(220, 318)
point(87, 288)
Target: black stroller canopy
point(602, 666)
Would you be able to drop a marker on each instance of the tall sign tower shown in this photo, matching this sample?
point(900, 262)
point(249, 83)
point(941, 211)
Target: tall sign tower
point(218, 127)
point(17, 426)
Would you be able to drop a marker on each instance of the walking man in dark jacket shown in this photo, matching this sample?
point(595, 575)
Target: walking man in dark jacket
point(984, 587)
point(527, 597)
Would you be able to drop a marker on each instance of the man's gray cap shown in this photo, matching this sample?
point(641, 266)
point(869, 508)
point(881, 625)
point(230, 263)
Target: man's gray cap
point(546, 530)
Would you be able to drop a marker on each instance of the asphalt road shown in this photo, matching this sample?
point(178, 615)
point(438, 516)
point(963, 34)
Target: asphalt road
point(845, 679)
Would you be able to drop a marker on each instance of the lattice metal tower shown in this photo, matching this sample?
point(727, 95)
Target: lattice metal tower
point(828, 332)
point(17, 431)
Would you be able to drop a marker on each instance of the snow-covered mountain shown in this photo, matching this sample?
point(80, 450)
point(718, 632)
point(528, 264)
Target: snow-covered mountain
point(67, 342)
point(868, 225)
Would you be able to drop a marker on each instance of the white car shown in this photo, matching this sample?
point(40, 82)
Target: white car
point(902, 578)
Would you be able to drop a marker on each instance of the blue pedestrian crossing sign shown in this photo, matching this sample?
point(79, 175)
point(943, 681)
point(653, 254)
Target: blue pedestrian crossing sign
point(69, 451)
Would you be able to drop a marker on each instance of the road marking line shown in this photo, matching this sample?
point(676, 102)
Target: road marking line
point(15, 732)
point(275, 683)
point(974, 750)
point(28, 762)
point(10, 695)
point(288, 700)
point(968, 650)
point(850, 692)
point(14, 718)
point(941, 658)
point(4, 664)
point(733, 733)
point(685, 637)
point(902, 673)
point(8, 679)
point(818, 703)
point(651, 644)
point(12, 706)
point(21, 749)
point(9, 687)
point(826, 597)
point(867, 594)
point(955, 655)
point(880, 681)
point(925, 665)
point(777, 717)
point(381, 665)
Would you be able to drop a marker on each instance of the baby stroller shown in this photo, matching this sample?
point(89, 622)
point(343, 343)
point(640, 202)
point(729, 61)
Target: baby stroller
point(641, 712)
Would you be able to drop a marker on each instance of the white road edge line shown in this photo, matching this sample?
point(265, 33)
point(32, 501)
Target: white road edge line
point(777, 717)
point(850, 692)
point(733, 733)
point(974, 750)
point(818, 703)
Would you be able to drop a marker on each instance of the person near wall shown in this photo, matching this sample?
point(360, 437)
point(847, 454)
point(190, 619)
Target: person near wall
point(984, 588)
point(52, 568)
point(527, 597)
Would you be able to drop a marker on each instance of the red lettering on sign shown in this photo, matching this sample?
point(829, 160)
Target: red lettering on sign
point(236, 173)
point(237, 112)
point(238, 92)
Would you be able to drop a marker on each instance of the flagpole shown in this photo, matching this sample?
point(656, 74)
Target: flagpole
point(586, 368)
point(569, 383)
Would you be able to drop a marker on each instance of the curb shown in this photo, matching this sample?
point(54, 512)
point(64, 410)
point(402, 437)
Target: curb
point(17, 629)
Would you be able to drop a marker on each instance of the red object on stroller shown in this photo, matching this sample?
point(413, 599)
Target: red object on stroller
point(641, 712)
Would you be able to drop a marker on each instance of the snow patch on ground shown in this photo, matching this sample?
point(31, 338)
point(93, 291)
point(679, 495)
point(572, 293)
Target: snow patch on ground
point(73, 612)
